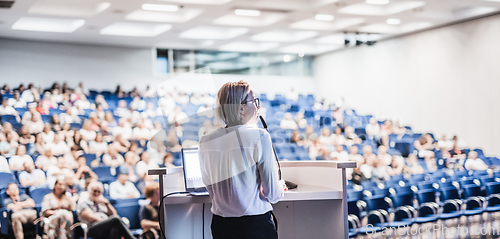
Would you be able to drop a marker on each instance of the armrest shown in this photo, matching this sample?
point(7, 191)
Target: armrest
point(356, 219)
point(377, 214)
point(5, 220)
point(455, 202)
point(480, 201)
point(403, 209)
point(432, 205)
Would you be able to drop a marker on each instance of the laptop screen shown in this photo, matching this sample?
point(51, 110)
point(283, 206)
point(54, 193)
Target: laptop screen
point(192, 168)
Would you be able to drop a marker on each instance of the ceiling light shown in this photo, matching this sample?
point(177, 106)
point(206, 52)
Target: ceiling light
point(393, 21)
point(247, 12)
point(301, 54)
point(378, 2)
point(286, 58)
point(160, 7)
point(47, 24)
point(324, 17)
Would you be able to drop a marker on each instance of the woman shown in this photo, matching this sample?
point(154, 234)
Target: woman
point(79, 141)
point(98, 146)
point(241, 193)
point(17, 161)
point(58, 207)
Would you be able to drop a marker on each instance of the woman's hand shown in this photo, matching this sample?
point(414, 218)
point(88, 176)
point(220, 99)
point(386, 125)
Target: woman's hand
point(283, 184)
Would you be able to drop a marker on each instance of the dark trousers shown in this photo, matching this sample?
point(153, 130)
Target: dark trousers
point(246, 227)
point(112, 228)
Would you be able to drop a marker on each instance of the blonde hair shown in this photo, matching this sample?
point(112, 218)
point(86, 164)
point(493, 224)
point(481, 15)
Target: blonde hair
point(229, 99)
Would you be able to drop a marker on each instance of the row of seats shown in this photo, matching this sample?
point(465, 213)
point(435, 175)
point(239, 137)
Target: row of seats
point(403, 202)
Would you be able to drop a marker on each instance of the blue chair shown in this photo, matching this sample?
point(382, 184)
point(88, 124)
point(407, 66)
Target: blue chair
point(493, 198)
point(452, 204)
point(428, 208)
point(131, 212)
point(404, 211)
point(104, 174)
point(369, 185)
point(89, 158)
point(474, 200)
point(355, 195)
point(6, 179)
point(427, 185)
point(377, 215)
point(37, 195)
point(8, 118)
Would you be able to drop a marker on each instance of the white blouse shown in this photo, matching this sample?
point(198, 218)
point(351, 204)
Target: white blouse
point(239, 171)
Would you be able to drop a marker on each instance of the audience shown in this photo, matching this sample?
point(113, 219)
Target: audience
point(101, 217)
point(31, 176)
point(148, 214)
point(57, 206)
point(475, 163)
point(23, 209)
point(18, 161)
point(119, 135)
point(123, 188)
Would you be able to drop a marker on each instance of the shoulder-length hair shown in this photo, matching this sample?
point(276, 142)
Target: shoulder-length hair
point(229, 99)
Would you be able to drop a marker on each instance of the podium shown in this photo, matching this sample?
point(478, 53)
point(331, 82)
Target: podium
point(316, 209)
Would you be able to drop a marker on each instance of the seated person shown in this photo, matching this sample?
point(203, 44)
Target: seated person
point(57, 207)
point(148, 214)
point(368, 166)
point(46, 160)
point(31, 176)
point(4, 165)
point(475, 163)
point(413, 165)
point(383, 157)
point(83, 171)
point(379, 171)
point(288, 122)
point(339, 154)
point(17, 161)
point(397, 166)
point(122, 188)
point(23, 209)
point(101, 217)
point(112, 158)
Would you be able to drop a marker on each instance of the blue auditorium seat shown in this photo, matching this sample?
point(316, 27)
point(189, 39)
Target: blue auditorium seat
point(37, 194)
point(8, 118)
point(104, 173)
point(6, 179)
point(131, 212)
point(452, 204)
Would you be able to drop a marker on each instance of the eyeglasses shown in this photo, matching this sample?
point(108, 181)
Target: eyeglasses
point(97, 191)
point(255, 101)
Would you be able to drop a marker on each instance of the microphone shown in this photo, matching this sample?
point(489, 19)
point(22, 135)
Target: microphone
point(263, 122)
point(288, 184)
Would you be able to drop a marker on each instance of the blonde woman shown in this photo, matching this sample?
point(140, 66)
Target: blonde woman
point(57, 207)
point(238, 168)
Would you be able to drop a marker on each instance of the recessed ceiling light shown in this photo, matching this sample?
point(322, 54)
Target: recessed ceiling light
point(324, 17)
point(47, 24)
point(393, 21)
point(378, 2)
point(160, 7)
point(247, 12)
point(286, 58)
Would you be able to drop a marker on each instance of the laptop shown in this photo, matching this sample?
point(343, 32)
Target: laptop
point(192, 172)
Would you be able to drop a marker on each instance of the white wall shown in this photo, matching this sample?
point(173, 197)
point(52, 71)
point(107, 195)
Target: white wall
point(445, 80)
point(103, 67)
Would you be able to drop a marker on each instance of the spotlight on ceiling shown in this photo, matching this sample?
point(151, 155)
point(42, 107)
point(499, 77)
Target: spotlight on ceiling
point(286, 58)
point(377, 2)
point(247, 12)
point(160, 7)
point(324, 17)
